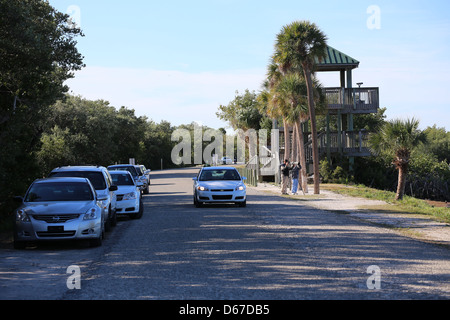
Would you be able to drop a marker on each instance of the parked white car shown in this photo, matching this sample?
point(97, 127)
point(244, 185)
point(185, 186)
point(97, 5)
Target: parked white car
point(219, 185)
point(226, 160)
point(129, 200)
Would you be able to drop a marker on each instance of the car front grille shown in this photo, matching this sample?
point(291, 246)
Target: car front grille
point(222, 190)
point(55, 218)
point(59, 234)
point(222, 197)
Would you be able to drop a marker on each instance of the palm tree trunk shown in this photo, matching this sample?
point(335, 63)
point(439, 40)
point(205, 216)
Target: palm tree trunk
point(295, 151)
point(312, 115)
point(287, 140)
point(401, 183)
point(301, 148)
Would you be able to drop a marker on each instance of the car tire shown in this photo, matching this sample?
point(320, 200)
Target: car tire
point(139, 214)
point(108, 225)
point(196, 202)
point(114, 219)
point(242, 204)
point(19, 245)
point(93, 243)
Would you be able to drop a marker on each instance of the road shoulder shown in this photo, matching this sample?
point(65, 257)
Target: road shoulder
point(415, 226)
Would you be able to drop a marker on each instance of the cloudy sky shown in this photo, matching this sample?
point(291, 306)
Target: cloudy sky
point(179, 60)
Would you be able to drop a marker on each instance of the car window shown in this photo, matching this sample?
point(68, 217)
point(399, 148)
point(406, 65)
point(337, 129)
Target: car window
point(131, 169)
point(97, 179)
point(219, 174)
point(122, 179)
point(139, 171)
point(59, 191)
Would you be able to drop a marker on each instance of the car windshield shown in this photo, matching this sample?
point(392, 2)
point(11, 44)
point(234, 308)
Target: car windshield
point(96, 178)
point(131, 169)
point(122, 179)
point(219, 174)
point(139, 171)
point(59, 191)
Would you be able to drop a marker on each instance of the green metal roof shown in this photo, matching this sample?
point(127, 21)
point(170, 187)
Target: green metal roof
point(336, 60)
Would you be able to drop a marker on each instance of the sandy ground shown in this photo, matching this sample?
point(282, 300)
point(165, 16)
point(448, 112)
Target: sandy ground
point(416, 226)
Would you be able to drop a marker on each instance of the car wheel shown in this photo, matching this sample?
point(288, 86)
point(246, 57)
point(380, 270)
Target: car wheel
point(108, 225)
point(242, 204)
point(20, 245)
point(196, 202)
point(96, 242)
point(147, 190)
point(141, 210)
point(114, 219)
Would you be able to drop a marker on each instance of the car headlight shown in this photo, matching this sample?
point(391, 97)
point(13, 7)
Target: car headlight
point(91, 214)
point(202, 188)
point(240, 188)
point(22, 216)
point(130, 196)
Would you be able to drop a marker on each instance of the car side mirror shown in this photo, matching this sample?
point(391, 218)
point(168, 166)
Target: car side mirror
point(18, 199)
point(244, 178)
point(113, 188)
point(195, 179)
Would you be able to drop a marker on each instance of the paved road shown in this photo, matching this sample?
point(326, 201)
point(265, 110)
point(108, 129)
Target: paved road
point(275, 249)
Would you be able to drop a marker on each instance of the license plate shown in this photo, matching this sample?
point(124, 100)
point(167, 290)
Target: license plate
point(55, 229)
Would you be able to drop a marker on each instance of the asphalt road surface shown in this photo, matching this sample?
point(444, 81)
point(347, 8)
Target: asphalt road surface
point(273, 249)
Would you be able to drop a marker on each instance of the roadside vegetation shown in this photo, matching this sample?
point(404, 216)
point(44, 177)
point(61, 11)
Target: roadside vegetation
point(408, 205)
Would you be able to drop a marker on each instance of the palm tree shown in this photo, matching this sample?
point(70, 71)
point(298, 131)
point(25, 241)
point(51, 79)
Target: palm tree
point(297, 46)
point(292, 88)
point(276, 102)
point(397, 138)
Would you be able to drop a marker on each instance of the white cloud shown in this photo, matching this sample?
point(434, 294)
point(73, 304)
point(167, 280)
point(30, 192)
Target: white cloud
point(176, 96)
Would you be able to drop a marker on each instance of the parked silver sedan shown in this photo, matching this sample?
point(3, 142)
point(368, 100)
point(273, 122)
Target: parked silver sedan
point(219, 185)
point(60, 209)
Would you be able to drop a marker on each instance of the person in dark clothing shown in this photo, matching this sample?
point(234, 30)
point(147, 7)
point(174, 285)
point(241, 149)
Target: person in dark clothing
point(285, 168)
point(295, 176)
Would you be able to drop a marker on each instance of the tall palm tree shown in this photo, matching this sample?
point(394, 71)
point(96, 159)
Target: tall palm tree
point(397, 138)
point(297, 46)
point(292, 88)
point(276, 105)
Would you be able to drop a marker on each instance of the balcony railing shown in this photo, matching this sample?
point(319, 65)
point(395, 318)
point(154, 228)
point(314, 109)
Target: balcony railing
point(348, 143)
point(356, 100)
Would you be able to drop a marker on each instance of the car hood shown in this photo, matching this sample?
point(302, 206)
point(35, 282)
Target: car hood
point(222, 184)
point(72, 207)
point(125, 189)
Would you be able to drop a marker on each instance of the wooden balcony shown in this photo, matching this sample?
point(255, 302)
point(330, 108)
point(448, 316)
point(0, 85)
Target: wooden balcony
point(355, 101)
point(347, 143)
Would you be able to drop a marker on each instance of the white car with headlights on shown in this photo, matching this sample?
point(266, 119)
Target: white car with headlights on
point(129, 200)
point(219, 185)
point(60, 209)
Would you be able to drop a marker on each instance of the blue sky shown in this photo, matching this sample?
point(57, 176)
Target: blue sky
point(179, 60)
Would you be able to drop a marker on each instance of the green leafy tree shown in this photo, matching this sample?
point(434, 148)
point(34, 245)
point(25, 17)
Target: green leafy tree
point(38, 54)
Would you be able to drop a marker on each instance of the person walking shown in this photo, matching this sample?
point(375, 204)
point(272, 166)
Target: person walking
point(295, 175)
point(285, 176)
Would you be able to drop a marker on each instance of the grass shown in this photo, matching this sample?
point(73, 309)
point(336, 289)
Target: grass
point(409, 204)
